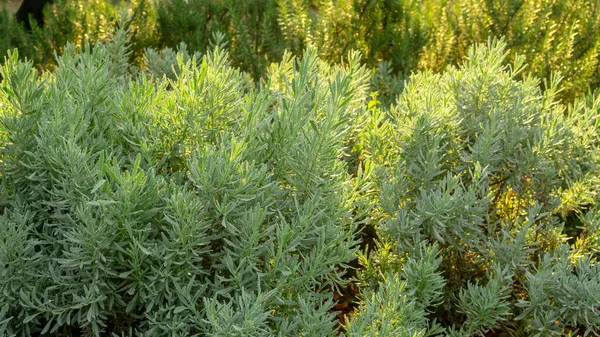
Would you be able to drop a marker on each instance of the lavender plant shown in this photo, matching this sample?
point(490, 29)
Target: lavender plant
point(488, 167)
point(195, 205)
point(182, 197)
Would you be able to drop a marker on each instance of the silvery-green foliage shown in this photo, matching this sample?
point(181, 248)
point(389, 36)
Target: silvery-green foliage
point(563, 292)
point(486, 306)
point(184, 199)
point(487, 165)
point(424, 281)
point(391, 311)
point(164, 62)
point(591, 220)
point(190, 204)
point(458, 142)
point(402, 301)
point(21, 259)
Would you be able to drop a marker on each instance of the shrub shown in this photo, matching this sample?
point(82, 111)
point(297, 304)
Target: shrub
point(200, 205)
point(488, 167)
point(182, 197)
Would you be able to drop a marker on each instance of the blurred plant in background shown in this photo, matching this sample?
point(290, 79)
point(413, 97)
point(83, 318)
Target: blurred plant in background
point(397, 37)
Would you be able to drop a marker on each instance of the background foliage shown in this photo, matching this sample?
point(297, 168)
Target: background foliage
point(396, 37)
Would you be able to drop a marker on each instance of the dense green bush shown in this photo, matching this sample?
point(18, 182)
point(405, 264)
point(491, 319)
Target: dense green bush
point(183, 198)
point(200, 205)
point(487, 168)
